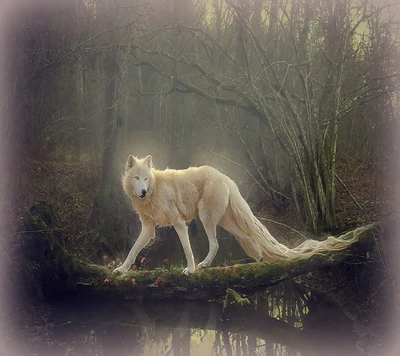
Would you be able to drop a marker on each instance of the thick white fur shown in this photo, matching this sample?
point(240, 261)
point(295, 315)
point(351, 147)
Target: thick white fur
point(174, 197)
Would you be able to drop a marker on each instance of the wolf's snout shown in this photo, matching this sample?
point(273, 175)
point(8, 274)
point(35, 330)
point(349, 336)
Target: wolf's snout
point(143, 193)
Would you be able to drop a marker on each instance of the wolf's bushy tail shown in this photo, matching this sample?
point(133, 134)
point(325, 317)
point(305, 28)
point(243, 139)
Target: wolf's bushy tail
point(271, 249)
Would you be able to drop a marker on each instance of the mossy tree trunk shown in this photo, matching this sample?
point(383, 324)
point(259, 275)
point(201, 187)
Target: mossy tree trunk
point(111, 218)
point(212, 283)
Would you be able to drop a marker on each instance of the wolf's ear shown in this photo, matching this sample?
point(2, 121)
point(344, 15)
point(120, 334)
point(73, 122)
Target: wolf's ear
point(148, 161)
point(130, 162)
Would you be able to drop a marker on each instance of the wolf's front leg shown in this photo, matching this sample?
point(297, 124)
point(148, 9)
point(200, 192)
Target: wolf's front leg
point(182, 231)
point(147, 233)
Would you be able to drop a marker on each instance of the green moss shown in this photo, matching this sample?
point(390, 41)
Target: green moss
point(207, 283)
point(92, 270)
point(233, 297)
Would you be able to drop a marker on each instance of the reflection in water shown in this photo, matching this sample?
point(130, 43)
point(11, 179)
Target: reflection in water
point(283, 320)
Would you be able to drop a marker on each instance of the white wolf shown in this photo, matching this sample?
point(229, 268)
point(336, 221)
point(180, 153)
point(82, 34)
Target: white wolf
point(174, 197)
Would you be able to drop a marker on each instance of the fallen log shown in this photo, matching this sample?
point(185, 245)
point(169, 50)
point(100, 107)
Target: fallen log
point(64, 274)
point(208, 283)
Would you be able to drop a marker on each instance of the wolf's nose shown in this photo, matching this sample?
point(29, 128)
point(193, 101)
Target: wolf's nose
point(144, 192)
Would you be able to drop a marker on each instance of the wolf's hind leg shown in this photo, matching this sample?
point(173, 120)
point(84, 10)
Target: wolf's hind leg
point(213, 246)
point(229, 224)
point(212, 207)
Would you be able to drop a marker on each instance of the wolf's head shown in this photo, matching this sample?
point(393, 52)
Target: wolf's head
point(138, 178)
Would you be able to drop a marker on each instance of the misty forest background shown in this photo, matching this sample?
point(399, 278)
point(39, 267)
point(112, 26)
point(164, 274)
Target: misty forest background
point(297, 101)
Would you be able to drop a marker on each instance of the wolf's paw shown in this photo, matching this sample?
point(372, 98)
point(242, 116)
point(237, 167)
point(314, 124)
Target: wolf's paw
point(203, 264)
point(188, 271)
point(122, 269)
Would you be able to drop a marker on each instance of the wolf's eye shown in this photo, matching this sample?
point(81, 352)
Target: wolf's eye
point(146, 178)
point(136, 177)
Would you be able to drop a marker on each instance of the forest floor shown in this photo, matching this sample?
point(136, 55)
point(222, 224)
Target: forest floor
point(70, 188)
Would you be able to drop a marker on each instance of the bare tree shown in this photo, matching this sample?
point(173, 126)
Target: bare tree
point(298, 84)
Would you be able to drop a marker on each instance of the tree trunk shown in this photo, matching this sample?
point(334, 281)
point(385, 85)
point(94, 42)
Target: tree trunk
point(110, 216)
point(79, 117)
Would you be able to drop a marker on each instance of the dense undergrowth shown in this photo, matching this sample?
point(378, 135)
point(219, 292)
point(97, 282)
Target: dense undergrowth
point(69, 187)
